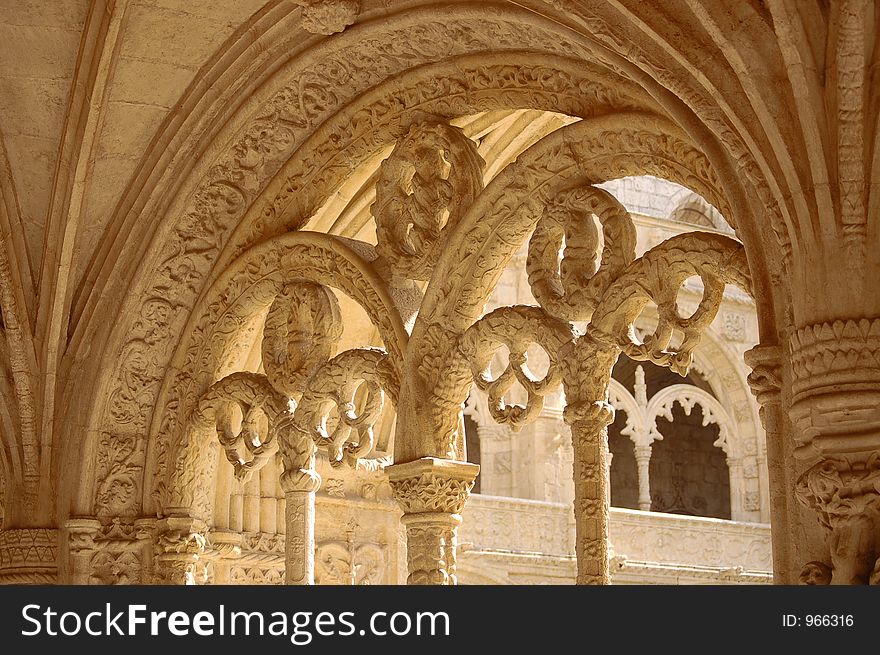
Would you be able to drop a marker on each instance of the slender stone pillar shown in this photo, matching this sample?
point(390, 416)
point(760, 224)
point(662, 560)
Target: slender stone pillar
point(81, 547)
point(765, 381)
point(299, 552)
point(587, 365)
point(589, 433)
point(432, 493)
point(643, 462)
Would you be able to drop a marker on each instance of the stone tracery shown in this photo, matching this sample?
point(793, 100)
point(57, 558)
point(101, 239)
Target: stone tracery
point(219, 272)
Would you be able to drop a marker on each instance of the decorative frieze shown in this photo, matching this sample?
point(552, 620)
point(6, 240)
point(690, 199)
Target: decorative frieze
point(29, 556)
point(836, 387)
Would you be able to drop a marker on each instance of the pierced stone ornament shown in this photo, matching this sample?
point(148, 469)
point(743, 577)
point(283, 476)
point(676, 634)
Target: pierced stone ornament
point(244, 408)
point(353, 384)
point(569, 268)
point(517, 328)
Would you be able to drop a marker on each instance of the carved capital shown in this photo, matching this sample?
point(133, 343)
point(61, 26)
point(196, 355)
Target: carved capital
point(845, 494)
point(836, 387)
point(839, 489)
point(432, 485)
point(81, 534)
point(432, 493)
point(29, 556)
point(180, 549)
point(300, 480)
point(765, 380)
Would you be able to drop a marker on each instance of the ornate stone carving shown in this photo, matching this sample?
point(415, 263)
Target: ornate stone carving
point(688, 397)
point(347, 563)
point(108, 568)
point(302, 330)
point(836, 387)
point(516, 328)
point(845, 494)
point(180, 550)
point(815, 573)
point(570, 288)
point(432, 493)
point(657, 276)
point(29, 556)
point(353, 384)
point(427, 183)
point(328, 16)
point(245, 408)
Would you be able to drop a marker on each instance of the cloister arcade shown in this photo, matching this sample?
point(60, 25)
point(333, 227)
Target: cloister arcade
point(277, 264)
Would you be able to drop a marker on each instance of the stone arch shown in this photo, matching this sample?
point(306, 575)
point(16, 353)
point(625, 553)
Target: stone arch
point(688, 396)
point(227, 196)
point(503, 216)
point(221, 331)
point(177, 270)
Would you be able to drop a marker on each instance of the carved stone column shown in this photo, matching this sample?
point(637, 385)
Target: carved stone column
point(589, 433)
point(432, 493)
point(835, 410)
point(765, 381)
point(587, 365)
point(643, 462)
point(29, 556)
point(299, 552)
point(180, 551)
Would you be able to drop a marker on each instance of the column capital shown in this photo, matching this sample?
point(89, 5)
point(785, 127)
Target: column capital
point(81, 533)
point(432, 484)
point(305, 480)
point(845, 494)
point(836, 388)
point(432, 493)
point(180, 549)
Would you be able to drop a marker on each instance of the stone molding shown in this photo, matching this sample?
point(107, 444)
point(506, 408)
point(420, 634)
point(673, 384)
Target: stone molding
point(29, 556)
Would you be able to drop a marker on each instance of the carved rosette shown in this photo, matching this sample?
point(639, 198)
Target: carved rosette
point(29, 556)
point(845, 494)
point(302, 331)
point(432, 493)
